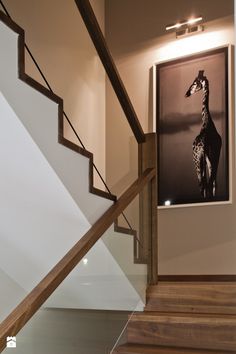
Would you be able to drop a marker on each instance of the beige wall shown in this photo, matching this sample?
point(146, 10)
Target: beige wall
point(60, 43)
point(193, 240)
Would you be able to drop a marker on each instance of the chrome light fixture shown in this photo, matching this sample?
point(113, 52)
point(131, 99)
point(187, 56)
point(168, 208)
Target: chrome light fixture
point(186, 27)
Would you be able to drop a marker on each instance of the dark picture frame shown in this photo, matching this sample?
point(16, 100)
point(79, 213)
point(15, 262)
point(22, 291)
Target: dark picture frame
point(192, 124)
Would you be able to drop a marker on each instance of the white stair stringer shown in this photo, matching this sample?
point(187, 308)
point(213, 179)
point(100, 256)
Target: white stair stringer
point(39, 115)
point(42, 184)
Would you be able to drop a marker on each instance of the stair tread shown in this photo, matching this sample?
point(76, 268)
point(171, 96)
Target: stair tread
point(199, 331)
point(152, 349)
point(193, 297)
point(181, 320)
point(155, 315)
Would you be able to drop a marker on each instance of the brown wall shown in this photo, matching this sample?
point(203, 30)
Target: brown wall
point(192, 240)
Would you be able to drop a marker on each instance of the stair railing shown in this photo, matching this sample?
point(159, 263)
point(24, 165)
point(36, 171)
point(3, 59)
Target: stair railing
point(147, 152)
point(33, 301)
point(98, 39)
point(46, 81)
point(145, 186)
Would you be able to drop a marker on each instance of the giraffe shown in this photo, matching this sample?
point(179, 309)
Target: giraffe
point(207, 145)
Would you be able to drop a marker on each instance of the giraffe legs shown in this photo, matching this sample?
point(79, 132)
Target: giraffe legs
point(206, 165)
point(213, 162)
point(200, 166)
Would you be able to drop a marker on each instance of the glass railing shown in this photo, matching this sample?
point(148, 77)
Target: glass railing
point(124, 245)
point(90, 309)
point(72, 331)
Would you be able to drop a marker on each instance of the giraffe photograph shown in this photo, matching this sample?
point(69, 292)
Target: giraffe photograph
point(192, 126)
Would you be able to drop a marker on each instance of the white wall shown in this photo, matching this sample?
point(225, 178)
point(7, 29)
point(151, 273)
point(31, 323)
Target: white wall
point(193, 240)
point(60, 43)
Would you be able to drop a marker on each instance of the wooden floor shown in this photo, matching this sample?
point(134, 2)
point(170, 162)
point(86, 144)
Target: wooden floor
point(193, 318)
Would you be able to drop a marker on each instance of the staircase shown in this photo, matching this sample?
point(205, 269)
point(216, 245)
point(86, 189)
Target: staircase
point(53, 214)
point(179, 317)
point(50, 181)
point(184, 318)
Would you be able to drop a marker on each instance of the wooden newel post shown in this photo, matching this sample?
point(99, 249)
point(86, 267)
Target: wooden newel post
point(148, 209)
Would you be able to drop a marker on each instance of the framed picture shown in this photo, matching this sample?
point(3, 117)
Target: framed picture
point(192, 123)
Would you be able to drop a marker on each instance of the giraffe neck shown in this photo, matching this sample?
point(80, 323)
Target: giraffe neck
point(206, 118)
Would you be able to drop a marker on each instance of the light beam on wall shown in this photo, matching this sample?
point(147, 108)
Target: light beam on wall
point(190, 45)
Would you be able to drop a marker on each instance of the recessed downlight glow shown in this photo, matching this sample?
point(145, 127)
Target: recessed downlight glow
point(85, 261)
point(167, 202)
point(191, 21)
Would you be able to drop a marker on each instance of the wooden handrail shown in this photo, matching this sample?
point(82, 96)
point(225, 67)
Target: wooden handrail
point(99, 42)
point(33, 301)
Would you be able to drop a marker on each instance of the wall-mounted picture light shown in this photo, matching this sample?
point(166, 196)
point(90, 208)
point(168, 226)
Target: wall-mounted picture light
point(186, 27)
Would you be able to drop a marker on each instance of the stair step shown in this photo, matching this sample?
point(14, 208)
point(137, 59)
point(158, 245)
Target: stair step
point(150, 349)
point(198, 331)
point(219, 298)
